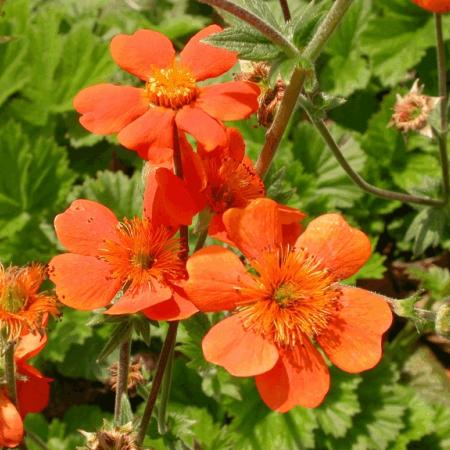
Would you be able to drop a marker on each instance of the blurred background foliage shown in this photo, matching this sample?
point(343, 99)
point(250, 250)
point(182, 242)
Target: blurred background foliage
point(50, 49)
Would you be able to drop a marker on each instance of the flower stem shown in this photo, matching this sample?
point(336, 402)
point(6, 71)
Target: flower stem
point(10, 372)
point(295, 86)
point(122, 378)
point(256, 22)
point(442, 79)
point(285, 8)
point(165, 392)
point(356, 178)
point(164, 356)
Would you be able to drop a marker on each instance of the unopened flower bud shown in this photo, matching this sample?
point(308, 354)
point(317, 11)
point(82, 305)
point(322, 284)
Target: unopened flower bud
point(135, 376)
point(116, 438)
point(412, 111)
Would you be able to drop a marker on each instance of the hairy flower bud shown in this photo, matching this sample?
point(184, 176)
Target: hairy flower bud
point(412, 111)
point(116, 438)
point(135, 376)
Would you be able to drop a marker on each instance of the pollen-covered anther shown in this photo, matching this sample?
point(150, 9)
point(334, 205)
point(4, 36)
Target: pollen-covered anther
point(295, 298)
point(172, 87)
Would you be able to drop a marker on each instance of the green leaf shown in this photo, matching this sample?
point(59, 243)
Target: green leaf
point(347, 70)
point(113, 189)
point(248, 42)
point(436, 280)
point(397, 39)
point(119, 334)
point(426, 229)
point(317, 160)
point(35, 177)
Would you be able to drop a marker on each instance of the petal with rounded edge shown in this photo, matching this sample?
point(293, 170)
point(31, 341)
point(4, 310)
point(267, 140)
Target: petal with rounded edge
point(153, 130)
point(84, 226)
point(176, 308)
point(233, 100)
point(202, 126)
point(138, 299)
point(242, 352)
point(11, 425)
point(140, 52)
point(256, 228)
point(290, 223)
point(82, 282)
point(107, 108)
point(341, 248)
point(28, 346)
point(216, 279)
point(353, 338)
point(162, 204)
point(203, 60)
point(300, 377)
point(33, 394)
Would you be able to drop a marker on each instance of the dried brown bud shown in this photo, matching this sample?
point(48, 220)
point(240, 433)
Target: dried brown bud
point(135, 376)
point(256, 72)
point(268, 103)
point(116, 438)
point(412, 111)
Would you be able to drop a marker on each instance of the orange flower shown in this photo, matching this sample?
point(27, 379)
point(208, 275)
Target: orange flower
point(22, 308)
point(436, 6)
point(290, 299)
point(145, 117)
point(32, 391)
point(225, 178)
point(139, 258)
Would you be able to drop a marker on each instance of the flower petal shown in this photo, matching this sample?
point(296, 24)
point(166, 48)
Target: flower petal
point(162, 203)
point(137, 300)
point(290, 223)
point(151, 131)
point(300, 377)
point(177, 308)
point(107, 108)
point(342, 249)
point(84, 227)
point(353, 339)
point(255, 228)
point(206, 130)
point(242, 352)
point(33, 394)
point(138, 53)
point(11, 425)
point(29, 346)
point(234, 100)
point(206, 61)
point(216, 278)
point(82, 282)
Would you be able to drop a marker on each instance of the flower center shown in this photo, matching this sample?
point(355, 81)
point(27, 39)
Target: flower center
point(172, 87)
point(231, 184)
point(11, 300)
point(143, 253)
point(295, 297)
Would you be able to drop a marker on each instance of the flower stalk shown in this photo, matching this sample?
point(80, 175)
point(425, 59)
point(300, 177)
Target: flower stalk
point(295, 86)
point(442, 80)
point(355, 177)
point(10, 372)
point(122, 378)
point(285, 8)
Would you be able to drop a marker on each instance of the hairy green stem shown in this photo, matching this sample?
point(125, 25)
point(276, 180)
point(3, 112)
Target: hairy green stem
point(442, 80)
point(164, 356)
point(295, 86)
point(356, 178)
point(122, 378)
point(10, 372)
point(256, 22)
point(165, 392)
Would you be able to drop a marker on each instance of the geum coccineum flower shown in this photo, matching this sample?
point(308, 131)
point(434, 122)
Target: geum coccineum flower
point(140, 258)
point(32, 391)
point(144, 118)
point(437, 6)
point(225, 178)
point(289, 300)
point(22, 306)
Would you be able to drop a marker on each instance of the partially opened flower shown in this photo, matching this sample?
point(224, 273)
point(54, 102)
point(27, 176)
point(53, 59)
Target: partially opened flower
point(289, 301)
point(22, 306)
point(225, 178)
point(144, 118)
point(436, 6)
point(32, 391)
point(138, 259)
